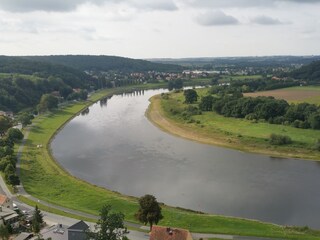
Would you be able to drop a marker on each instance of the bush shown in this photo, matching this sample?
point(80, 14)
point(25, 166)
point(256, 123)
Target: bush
point(277, 139)
point(251, 116)
point(278, 120)
point(297, 123)
point(191, 110)
point(15, 134)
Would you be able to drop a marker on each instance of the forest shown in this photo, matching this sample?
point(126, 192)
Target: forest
point(107, 63)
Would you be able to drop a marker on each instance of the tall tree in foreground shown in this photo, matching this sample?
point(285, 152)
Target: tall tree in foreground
point(110, 226)
point(4, 233)
point(149, 211)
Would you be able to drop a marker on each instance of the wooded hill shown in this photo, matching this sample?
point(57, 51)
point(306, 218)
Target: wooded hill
point(107, 63)
point(23, 82)
point(309, 73)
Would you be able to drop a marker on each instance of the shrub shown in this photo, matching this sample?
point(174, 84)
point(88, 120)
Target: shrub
point(251, 116)
point(297, 123)
point(278, 120)
point(277, 139)
point(15, 134)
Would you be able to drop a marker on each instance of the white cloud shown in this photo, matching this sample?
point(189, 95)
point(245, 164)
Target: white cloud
point(265, 20)
point(71, 5)
point(215, 18)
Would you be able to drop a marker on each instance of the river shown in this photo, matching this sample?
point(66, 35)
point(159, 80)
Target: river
point(113, 145)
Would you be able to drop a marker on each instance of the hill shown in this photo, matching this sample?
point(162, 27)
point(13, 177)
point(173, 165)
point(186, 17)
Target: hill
point(107, 63)
point(310, 73)
point(23, 81)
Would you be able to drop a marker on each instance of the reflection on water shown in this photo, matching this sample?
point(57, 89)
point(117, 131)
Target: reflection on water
point(118, 148)
point(85, 112)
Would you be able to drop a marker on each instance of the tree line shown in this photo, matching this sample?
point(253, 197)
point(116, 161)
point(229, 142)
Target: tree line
point(274, 111)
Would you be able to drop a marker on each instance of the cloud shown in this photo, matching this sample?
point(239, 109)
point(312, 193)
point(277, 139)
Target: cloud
point(70, 5)
point(41, 5)
point(216, 18)
point(242, 3)
point(265, 20)
point(166, 5)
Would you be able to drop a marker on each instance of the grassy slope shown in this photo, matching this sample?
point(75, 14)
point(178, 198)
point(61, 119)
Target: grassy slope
point(240, 133)
point(44, 179)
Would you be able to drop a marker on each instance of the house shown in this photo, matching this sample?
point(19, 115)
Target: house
point(63, 232)
point(78, 231)
point(24, 236)
point(167, 233)
point(8, 216)
point(5, 202)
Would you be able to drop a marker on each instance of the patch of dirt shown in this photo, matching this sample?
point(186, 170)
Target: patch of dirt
point(289, 95)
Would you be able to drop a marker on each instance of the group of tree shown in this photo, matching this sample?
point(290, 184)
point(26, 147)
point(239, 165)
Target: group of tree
point(110, 225)
point(7, 158)
point(309, 73)
point(253, 85)
point(274, 111)
point(175, 84)
point(107, 63)
point(24, 81)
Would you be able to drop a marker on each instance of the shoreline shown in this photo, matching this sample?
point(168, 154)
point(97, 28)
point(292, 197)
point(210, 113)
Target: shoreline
point(156, 115)
point(73, 188)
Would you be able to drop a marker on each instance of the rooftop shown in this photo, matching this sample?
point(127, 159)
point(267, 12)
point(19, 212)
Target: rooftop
point(167, 233)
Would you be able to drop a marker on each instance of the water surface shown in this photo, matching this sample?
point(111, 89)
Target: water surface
point(113, 145)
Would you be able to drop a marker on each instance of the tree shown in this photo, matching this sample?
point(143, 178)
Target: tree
point(15, 134)
point(314, 120)
point(37, 215)
point(5, 124)
point(149, 211)
point(206, 103)
point(47, 102)
point(175, 84)
point(190, 95)
point(4, 233)
point(65, 91)
point(25, 119)
point(110, 226)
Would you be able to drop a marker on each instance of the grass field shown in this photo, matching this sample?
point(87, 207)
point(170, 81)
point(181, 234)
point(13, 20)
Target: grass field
point(228, 78)
point(45, 179)
point(310, 94)
point(241, 134)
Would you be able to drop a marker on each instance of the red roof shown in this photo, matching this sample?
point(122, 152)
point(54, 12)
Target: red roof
point(3, 199)
point(166, 233)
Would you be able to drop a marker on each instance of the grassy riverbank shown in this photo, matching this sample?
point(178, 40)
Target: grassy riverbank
point(45, 179)
point(241, 134)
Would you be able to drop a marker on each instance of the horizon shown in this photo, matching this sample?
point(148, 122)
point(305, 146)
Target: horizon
point(164, 58)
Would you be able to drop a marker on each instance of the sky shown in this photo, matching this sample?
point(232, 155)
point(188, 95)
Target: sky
point(160, 28)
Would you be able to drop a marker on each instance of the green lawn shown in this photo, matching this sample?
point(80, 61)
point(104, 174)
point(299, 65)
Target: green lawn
point(45, 179)
point(243, 134)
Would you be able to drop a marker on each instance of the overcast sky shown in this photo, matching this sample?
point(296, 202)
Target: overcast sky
point(160, 28)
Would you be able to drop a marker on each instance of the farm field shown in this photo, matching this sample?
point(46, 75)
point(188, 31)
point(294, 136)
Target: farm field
point(310, 94)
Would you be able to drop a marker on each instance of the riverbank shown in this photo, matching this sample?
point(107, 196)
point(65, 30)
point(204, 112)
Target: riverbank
point(44, 179)
point(240, 134)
